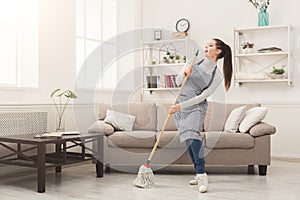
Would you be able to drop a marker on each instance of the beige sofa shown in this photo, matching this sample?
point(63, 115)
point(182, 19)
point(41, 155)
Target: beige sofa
point(132, 148)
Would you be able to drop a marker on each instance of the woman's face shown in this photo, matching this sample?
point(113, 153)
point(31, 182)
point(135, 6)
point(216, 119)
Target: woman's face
point(211, 51)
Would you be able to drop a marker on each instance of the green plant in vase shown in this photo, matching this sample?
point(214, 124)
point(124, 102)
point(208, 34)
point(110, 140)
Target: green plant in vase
point(61, 101)
point(263, 15)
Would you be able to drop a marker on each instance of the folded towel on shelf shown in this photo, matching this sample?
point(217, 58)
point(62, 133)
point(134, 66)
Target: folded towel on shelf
point(251, 76)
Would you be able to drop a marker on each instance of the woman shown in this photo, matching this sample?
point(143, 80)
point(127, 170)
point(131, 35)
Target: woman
point(190, 110)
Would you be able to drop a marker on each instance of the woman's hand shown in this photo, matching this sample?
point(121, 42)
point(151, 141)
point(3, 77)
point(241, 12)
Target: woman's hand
point(174, 108)
point(188, 71)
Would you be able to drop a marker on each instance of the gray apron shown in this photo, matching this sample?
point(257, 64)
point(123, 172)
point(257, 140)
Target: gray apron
point(189, 121)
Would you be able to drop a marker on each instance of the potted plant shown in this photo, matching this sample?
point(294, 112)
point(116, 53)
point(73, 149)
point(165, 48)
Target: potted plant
point(177, 58)
point(277, 72)
point(247, 47)
point(154, 61)
point(171, 58)
point(61, 100)
point(165, 60)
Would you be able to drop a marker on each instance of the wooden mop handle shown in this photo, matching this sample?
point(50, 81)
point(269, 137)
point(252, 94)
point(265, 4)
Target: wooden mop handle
point(169, 115)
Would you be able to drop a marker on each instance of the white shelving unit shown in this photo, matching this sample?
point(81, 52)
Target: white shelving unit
point(155, 51)
point(254, 66)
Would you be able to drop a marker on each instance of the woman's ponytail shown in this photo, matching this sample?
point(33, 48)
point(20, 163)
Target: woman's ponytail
point(227, 63)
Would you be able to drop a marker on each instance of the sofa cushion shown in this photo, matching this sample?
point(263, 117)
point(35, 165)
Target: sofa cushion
point(145, 113)
point(253, 116)
point(170, 139)
point(224, 140)
point(101, 127)
point(261, 129)
point(119, 121)
point(234, 119)
point(132, 139)
point(162, 112)
point(217, 113)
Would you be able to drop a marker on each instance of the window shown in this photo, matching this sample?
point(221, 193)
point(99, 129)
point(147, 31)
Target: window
point(96, 22)
point(19, 43)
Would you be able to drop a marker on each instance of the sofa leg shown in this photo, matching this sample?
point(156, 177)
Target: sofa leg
point(250, 169)
point(262, 170)
point(107, 168)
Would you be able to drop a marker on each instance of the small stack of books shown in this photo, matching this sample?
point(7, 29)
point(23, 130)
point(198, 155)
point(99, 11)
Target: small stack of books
point(58, 134)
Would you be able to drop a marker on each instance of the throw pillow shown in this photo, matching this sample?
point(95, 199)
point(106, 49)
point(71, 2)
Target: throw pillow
point(234, 119)
point(120, 121)
point(101, 127)
point(262, 129)
point(253, 116)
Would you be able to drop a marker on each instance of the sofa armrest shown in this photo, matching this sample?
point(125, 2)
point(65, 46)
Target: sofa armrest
point(261, 129)
point(101, 127)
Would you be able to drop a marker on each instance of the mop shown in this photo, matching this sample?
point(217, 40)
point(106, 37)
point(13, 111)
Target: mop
point(145, 177)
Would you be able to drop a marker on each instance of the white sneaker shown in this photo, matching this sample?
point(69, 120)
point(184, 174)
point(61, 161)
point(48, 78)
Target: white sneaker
point(202, 182)
point(194, 181)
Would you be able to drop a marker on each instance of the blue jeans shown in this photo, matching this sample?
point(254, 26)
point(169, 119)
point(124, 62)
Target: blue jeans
point(196, 152)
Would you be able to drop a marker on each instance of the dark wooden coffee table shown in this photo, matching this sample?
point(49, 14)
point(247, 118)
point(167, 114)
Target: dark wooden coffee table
point(18, 147)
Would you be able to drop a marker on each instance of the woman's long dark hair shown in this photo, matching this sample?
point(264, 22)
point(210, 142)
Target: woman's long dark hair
point(227, 64)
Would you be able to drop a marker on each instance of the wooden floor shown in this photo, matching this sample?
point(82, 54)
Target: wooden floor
point(80, 182)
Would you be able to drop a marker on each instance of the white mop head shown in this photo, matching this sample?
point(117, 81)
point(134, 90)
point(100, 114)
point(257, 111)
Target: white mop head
point(145, 177)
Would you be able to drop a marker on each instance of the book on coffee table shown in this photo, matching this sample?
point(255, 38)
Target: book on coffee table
point(59, 134)
point(70, 133)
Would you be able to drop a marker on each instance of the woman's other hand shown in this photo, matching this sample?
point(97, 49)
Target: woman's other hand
point(174, 108)
point(188, 71)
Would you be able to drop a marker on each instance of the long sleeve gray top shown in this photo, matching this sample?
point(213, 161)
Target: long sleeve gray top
point(208, 66)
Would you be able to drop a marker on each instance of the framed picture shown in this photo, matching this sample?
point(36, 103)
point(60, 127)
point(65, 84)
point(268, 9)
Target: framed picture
point(158, 34)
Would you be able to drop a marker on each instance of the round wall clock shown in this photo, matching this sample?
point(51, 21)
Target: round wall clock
point(182, 25)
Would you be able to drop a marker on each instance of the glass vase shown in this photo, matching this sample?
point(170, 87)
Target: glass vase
point(263, 17)
point(60, 124)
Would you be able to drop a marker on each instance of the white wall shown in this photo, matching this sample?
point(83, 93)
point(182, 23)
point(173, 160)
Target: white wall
point(57, 47)
point(217, 18)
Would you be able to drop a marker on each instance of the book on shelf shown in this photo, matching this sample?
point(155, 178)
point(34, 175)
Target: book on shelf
point(58, 134)
point(173, 81)
point(162, 81)
point(151, 81)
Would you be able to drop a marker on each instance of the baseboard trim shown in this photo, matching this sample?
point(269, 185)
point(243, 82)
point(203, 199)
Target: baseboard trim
point(286, 159)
